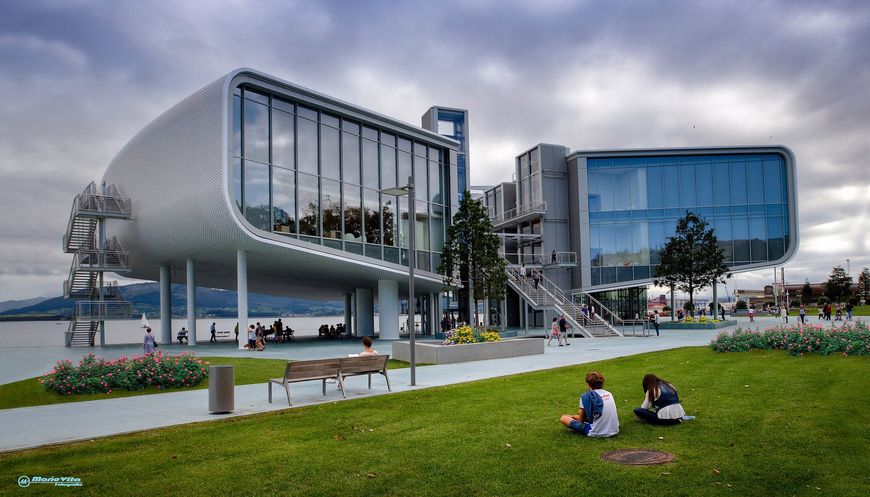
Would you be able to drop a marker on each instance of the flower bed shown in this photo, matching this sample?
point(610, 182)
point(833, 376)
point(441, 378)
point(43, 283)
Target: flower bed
point(848, 338)
point(97, 375)
point(465, 334)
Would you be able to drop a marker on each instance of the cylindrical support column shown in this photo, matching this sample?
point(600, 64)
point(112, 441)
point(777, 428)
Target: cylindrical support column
point(434, 320)
point(165, 304)
point(191, 302)
point(388, 309)
point(715, 302)
point(348, 314)
point(365, 312)
point(242, 295)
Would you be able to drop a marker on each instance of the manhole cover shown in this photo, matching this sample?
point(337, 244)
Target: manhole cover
point(637, 457)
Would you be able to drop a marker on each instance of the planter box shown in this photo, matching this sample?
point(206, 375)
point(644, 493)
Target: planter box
point(695, 326)
point(435, 353)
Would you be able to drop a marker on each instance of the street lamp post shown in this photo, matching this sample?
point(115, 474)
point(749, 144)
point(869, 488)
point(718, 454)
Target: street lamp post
point(412, 259)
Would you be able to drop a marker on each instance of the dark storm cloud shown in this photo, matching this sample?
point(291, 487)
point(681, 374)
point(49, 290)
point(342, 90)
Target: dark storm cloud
point(80, 78)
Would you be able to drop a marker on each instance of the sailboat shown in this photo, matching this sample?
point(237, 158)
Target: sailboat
point(145, 321)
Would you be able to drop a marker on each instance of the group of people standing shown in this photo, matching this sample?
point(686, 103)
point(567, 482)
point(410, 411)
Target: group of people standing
point(597, 415)
point(826, 310)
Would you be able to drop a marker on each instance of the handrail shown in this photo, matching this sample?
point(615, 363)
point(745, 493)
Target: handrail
point(112, 255)
point(537, 208)
point(98, 310)
point(562, 258)
point(614, 319)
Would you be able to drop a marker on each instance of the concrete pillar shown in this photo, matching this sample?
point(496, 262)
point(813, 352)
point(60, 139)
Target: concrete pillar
point(242, 295)
point(715, 303)
point(348, 313)
point(365, 312)
point(191, 301)
point(434, 318)
point(165, 304)
point(388, 305)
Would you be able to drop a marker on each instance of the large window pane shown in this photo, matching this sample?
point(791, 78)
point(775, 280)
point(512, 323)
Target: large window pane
point(405, 169)
point(595, 245)
point(352, 209)
point(237, 182)
point(284, 200)
point(388, 167)
point(404, 218)
point(600, 190)
point(654, 187)
point(724, 237)
point(758, 239)
point(388, 218)
point(350, 158)
point(283, 139)
point(372, 216)
point(739, 189)
point(422, 234)
point(256, 131)
point(755, 173)
point(329, 166)
point(370, 164)
point(688, 194)
point(776, 241)
point(722, 188)
point(437, 224)
point(421, 178)
point(671, 184)
point(237, 126)
point(257, 194)
point(740, 227)
point(307, 145)
point(772, 181)
point(621, 189)
point(309, 205)
point(330, 208)
point(435, 183)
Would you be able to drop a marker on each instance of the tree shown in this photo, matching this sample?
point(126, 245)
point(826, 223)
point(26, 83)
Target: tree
point(864, 284)
point(472, 251)
point(691, 259)
point(806, 293)
point(838, 284)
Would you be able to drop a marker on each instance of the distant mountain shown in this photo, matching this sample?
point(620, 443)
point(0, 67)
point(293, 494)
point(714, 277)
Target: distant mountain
point(8, 305)
point(209, 302)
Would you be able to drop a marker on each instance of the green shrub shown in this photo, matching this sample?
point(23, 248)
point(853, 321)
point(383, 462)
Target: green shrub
point(465, 334)
point(741, 305)
point(97, 375)
point(797, 339)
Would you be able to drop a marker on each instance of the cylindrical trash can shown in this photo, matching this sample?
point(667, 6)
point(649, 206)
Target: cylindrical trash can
point(221, 389)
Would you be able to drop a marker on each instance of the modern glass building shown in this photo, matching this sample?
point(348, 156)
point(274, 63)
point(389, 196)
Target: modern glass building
point(595, 221)
point(257, 183)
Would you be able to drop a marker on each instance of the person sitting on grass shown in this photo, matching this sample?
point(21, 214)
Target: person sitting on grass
point(597, 415)
point(661, 403)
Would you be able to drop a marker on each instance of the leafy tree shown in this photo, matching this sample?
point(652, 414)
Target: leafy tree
point(741, 305)
point(838, 284)
point(806, 293)
point(691, 259)
point(864, 284)
point(472, 251)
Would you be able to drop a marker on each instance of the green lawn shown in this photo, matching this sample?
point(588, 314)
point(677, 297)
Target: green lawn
point(768, 424)
point(813, 312)
point(248, 371)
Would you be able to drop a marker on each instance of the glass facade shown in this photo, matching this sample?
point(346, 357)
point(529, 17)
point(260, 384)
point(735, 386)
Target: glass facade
point(309, 174)
point(634, 204)
point(452, 125)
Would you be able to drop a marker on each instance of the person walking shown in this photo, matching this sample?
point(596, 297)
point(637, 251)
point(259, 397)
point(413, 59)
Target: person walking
point(803, 314)
point(849, 309)
point(213, 333)
point(554, 333)
point(752, 314)
point(149, 344)
point(563, 329)
point(722, 311)
point(553, 257)
point(655, 321)
point(523, 272)
point(783, 313)
point(237, 332)
point(821, 312)
point(536, 277)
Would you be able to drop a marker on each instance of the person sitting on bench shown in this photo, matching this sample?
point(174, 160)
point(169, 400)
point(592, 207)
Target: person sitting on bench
point(182, 335)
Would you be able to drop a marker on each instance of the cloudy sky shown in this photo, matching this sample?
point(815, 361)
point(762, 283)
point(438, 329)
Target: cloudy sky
point(79, 78)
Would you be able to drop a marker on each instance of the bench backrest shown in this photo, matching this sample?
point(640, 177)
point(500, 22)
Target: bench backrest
point(364, 364)
point(314, 368)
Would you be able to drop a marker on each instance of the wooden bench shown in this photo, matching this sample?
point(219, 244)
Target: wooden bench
point(338, 369)
point(359, 365)
point(296, 371)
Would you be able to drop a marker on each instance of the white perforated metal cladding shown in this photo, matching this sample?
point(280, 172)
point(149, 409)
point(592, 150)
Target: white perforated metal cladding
point(174, 170)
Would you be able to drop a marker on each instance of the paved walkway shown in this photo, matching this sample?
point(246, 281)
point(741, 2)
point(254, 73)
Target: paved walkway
point(28, 427)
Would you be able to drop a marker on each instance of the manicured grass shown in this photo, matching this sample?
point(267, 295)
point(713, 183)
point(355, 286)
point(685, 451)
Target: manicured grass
point(767, 424)
point(248, 371)
point(813, 312)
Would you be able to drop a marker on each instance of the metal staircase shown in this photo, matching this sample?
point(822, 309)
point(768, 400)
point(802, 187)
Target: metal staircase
point(548, 295)
point(95, 254)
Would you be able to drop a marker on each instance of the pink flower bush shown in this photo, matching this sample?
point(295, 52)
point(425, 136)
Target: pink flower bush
point(850, 338)
point(98, 375)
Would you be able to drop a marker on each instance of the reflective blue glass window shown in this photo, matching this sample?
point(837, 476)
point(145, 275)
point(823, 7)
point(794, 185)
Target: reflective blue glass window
point(688, 192)
point(722, 187)
point(704, 183)
point(772, 182)
point(256, 131)
point(237, 126)
point(350, 158)
point(724, 235)
point(755, 174)
point(671, 183)
point(775, 236)
point(740, 229)
point(739, 189)
point(758, 239)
